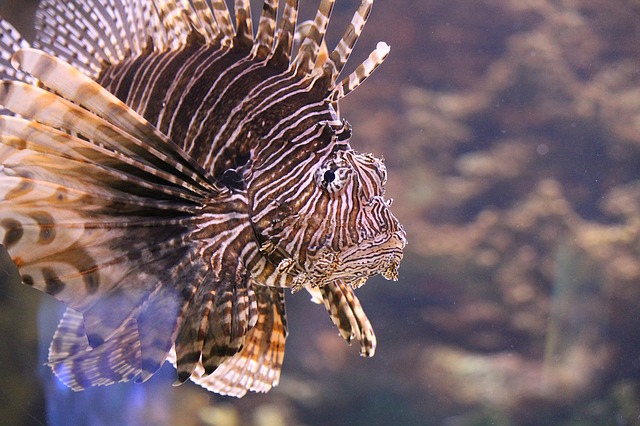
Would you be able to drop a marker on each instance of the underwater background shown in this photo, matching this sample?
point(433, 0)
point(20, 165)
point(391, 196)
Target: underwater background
point(511, 134)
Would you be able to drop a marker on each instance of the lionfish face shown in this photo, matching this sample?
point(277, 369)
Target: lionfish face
point(356, 235)
point(328, 220)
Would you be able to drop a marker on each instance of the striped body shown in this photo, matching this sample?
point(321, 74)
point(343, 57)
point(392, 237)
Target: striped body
point(177, 176)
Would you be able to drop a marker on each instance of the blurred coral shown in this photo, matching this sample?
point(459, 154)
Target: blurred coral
point(516, 167)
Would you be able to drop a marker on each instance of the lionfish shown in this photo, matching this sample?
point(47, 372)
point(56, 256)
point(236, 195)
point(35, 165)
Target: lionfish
point(169, 175)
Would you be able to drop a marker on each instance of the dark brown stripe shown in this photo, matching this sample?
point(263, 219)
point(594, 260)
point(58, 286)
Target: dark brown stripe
point(28, 280)
point(13, 232)
point(53, 284)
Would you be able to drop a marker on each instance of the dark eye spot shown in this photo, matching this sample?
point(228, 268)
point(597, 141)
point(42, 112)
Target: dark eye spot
point(329, 176)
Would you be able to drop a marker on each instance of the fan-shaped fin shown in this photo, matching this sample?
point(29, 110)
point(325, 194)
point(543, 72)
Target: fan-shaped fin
point(75, 239)
point(347, 314)
point(69, 338)
point(144, 279)
point(82, 216)
point(54, 111)
point(79, 366)
point(79, 246)
point(257, 366)
point(128, 178)
point(160, 317)
point(80, 89)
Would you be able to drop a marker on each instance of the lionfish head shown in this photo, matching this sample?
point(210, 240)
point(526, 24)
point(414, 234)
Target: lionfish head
point(326, 218)
point(355, 234)
point(317, 206)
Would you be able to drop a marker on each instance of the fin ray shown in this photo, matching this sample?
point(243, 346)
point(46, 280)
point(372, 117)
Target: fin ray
point(256, 367)
point(347, 314)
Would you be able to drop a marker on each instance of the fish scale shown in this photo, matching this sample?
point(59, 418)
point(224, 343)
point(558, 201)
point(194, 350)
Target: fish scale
point(172, 174)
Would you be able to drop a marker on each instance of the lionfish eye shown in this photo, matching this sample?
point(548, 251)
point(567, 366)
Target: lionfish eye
point(332, 176)
point(329, 176)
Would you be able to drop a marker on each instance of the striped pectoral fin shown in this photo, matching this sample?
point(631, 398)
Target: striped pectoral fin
point(69, 338)
point(79, 366)
point(195, 324)
point(75, 249)
point(229, 322)
point(88, 169)
point(77, 277)
point(103, 117)
point(347, 314)
point(137, 325)
point(149, 278)
point(162, 314)
point(257, 366)
point(55, 249)
point(34, 178)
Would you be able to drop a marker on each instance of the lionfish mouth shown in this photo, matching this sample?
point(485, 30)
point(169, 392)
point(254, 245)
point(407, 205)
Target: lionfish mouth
point(381, 254)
